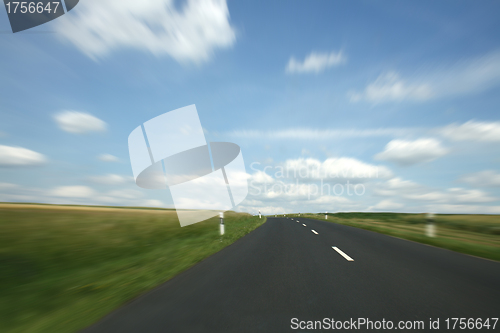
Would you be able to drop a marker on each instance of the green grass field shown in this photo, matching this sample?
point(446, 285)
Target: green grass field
point(64, 267)
point(477, 235)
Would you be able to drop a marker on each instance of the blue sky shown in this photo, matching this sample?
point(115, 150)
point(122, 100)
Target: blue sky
point(407, 89)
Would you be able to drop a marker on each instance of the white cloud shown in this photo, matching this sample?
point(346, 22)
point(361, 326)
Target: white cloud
point(18, 156)
point(407, 153)
point(390, 87)
point(79, 122)
point(468, 76)
point(396, 186)
point(333, 168)
point(108, 158)
point(11, 197)
point(126, 194)
point(487, 178)
point(473, 131)
point(326, 201)
point(288, 203)
point(461, 78)
point(412, 192)
point(400, 184)
point(463, 209)
point(315, 62)
point(150, 203)
point(319, 134)
point(255, 206)
point(109, 179)
point(76, 195)
point(188, 34)
point(481, 131)
point(469, 196)
point(13, 193)
point(452, 195)
point(72, 192)
point(281, 191)
point(261, 177)
point(313, 185)
point(386, 205)
point(8, 186)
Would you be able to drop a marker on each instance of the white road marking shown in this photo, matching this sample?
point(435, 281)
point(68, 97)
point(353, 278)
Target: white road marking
point(342, 253)
point(303, 224)
point(314, 231)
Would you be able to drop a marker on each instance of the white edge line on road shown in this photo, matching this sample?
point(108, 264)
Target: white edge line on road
point(342, 253)
point(303, 224)
point(314, 231)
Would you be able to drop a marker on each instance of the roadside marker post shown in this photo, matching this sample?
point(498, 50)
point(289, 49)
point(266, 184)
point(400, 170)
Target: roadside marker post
point(221, 215)
point(430, 228)
point(260, 215)
point(326, 215)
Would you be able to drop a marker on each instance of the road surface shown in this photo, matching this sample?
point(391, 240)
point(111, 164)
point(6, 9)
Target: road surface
point(311, 270)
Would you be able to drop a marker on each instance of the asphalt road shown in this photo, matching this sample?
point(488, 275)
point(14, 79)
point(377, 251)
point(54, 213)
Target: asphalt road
point(284, 270)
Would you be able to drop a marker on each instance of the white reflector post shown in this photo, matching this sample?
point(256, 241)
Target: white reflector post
point(221, 215)
point(430, 229)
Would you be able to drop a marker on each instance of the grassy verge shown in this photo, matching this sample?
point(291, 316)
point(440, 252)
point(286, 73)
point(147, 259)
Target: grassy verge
point(477, 235)
point(63, 267)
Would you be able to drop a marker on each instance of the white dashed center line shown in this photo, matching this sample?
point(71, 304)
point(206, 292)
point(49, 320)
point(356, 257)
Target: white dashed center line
point(314, 231)
point(342, 253)
point(303, 224)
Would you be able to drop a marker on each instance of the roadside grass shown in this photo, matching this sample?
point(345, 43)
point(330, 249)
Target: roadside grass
point(477, 235)
point(64, 267)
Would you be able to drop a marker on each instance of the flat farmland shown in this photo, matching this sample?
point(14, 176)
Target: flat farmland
point(64, 267)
